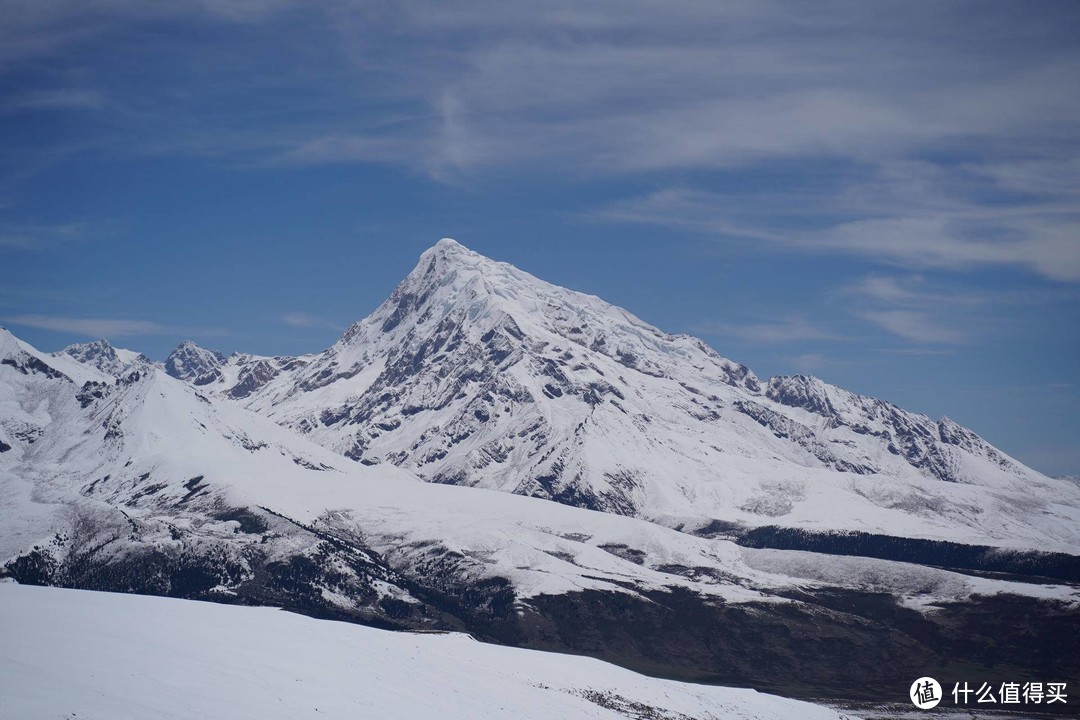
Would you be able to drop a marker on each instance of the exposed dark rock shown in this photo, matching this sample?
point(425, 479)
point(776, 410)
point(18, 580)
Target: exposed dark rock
point(28, 364)
point(1019, 564)
point(786, 428)
point(90, 392)
point(191, 362)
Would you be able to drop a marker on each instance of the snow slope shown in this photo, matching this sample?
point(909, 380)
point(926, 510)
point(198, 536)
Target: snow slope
point(476, 373)
point(77, 654)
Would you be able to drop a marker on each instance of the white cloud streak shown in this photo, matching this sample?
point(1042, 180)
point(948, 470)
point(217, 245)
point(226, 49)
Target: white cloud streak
point(916, 326)
point(58, 98)
point(306, 320)
point(908, 309)
point(30, 237)
point(99, 327)
point(781, 331)
point(929, 225)
point(90, 327)
point(815, 362)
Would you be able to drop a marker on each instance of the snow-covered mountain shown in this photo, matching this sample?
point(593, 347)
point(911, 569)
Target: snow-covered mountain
point(103, 356)
point(145, 483)
point(191, 362)
point(784, 534)
point(476, 373)
point(160, 459)
point(76, 655)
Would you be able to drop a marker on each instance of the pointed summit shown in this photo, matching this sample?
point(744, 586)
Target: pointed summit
point(11, 346)
point(99, 354)
point(451, 248)
point(28, 360)
point(192, 362)
point(448, 276)
point(101, 345)
point(449, 255)
point(102, 355)
point(454, 291)
point(450, 245)
point(8, 341)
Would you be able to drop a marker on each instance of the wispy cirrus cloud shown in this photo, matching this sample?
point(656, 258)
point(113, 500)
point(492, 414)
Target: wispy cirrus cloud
point(306, 320)
point(915, 351)
point(79, 98)
point(815, 362)
point(101, 327)
point(90, 327)
point(37, 236)
point(630, 90)
point(914, 291)
point(1039, 240)
point(916, 326)
point(909, 309)
point(778, 331)
point(924, 229)
point(934, 313)
point(619, 87)
point(26, 237)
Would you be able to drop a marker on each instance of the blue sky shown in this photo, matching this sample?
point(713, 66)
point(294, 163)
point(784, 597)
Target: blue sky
point(886, 195)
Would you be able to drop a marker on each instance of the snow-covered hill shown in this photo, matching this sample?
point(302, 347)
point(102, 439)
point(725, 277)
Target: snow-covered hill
point(75, 654)
point(476, 373)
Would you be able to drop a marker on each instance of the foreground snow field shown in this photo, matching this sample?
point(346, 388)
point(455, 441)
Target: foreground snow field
point(83, 655)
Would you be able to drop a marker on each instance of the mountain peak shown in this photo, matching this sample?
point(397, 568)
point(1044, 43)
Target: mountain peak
point(98, 353)
point(101, 344)
point(190, 361)
point(447, 270)
point(447, 244)
point(449, 252)
point(102, 355)
point(9, 344)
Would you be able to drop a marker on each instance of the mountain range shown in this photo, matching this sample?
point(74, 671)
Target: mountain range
point(476, 373)
point(490, 453)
